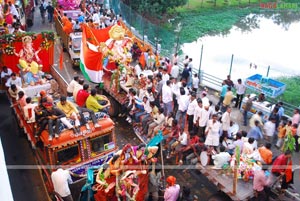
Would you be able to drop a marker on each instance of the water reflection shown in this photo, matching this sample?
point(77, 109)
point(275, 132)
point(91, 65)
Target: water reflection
point(259, 39)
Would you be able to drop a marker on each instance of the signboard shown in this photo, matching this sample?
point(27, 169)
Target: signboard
point(268, 86)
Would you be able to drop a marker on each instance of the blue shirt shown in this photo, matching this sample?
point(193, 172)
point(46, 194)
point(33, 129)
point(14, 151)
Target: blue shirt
point(81, 19)
point(224, 90)
point(281, 112)
point(255, 133)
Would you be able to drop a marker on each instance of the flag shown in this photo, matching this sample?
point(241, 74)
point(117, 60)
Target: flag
point(90, 56)
point(61, 60)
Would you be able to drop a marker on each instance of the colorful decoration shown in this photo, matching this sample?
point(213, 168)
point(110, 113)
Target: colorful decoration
point(13, 43)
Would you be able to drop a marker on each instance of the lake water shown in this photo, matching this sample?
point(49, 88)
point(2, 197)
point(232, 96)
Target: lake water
point(263, 41)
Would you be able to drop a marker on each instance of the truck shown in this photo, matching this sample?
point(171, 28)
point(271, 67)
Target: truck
point(77, 152)
point(70, 42)
point(74, 151)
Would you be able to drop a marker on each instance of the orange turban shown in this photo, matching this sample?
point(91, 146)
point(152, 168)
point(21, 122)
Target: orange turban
point(171, 180)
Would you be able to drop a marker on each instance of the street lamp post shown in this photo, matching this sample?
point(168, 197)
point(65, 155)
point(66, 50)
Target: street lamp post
point(157, 40)
point(177, 31)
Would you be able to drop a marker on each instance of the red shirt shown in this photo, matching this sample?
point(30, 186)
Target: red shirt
point(279, 165)
point(81, 97)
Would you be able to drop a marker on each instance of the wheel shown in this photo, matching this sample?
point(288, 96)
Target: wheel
point(114, 107)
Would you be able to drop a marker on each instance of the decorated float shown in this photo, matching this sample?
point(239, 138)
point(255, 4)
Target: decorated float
point(30, 55)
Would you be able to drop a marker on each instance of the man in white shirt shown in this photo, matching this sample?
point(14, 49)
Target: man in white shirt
point(28, 109)
point(13, 80)
point(195, 83)
point(5, 74)
point(158, 121)
point(61, 180)
point(13, 10)
point(190, 112)
point(137, 69)
point(269, 129)
point(256, 117)
point(175, 71)
point(205, 100)
point(240, 91)
point(203, 117)
point(225, 123)
point(167, 98)
point(165, 75)
point(183, 103)
point(196, 114)
point(221, 158)
point(14, 90)
point(212, 131)
point(78, 86)
point(70, 88)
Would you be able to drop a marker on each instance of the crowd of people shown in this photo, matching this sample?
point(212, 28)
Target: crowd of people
point(171, 102)
point(10, 21)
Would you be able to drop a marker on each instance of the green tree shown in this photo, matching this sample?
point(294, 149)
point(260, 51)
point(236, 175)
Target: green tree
point(154, 7)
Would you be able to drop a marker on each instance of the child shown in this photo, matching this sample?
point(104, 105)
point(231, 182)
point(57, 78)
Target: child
point(281, 134)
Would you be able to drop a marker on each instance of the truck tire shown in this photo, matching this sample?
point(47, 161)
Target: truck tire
point(114, 107)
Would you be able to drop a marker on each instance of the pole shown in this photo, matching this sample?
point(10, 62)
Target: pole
point(201, 53)
point(268, 71)
point(231, 64)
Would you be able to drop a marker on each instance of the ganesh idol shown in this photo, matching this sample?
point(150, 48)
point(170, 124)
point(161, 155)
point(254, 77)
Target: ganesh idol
point(29, 61)
point(116, 48)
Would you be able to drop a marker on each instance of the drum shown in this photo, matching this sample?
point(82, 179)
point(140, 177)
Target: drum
point(204, 158)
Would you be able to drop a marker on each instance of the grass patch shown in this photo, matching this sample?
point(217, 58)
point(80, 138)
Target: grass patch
point(210, 21)
point(291, 94)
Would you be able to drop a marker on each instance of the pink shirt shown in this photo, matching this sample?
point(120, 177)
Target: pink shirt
point(259, 180)
point(296, 119)
point(172, 193)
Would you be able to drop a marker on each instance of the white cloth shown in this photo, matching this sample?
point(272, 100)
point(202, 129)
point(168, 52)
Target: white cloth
point(195, 82)
point(212, 138)
point(17, 82)
point(165, 77)
point(137, 69)
point(32, 91)
point(71, 86)
point(29, 108)
point(254, 118)
point(221, 159)
point(197, 113)
point(167, 95)
point(240, 88)
point(9, 72)
point(77, 87)
point(14, 94)
point(66, 122)
point(269, 128)
point(226, 121)
point(205, 101)
point(192, 107)
point(183, 139)
point(203, 117)
point(183, 102)
point(175, 71)
point(147, 107)
point(61, 179)
point(14, 11)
